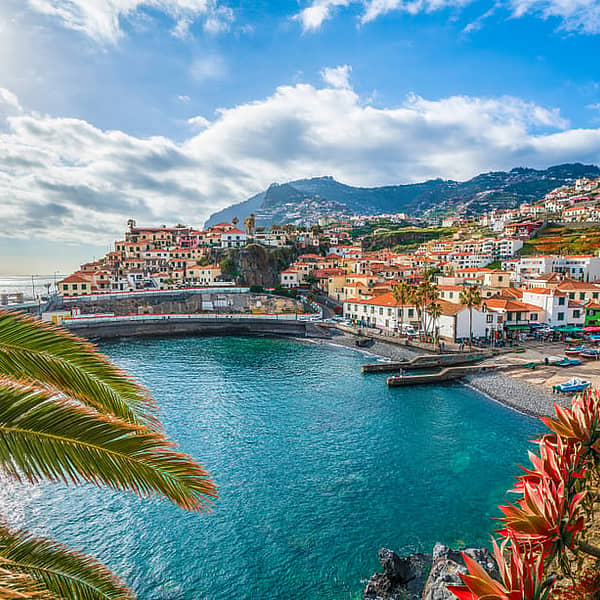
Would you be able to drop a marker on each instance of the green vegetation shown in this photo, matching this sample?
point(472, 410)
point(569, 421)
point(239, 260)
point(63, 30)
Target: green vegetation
point(67, 414)
point(406, 238)
point(576, 238)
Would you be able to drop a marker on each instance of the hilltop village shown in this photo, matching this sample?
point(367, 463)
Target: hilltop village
point(398, 274)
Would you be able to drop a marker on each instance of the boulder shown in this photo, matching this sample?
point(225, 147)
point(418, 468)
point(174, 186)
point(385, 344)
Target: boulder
point(402, 578)
point(423, 576)
point(445, 569)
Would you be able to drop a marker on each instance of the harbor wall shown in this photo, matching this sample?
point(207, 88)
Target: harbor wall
point(173, 326)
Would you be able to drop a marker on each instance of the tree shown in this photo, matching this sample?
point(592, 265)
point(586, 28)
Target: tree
point(67, 414)
point(249, 223)
point(401, 295)
point(470, 297)
point(435, 312)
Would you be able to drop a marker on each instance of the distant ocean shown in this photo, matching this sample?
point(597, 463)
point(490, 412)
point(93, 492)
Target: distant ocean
point(32, 287)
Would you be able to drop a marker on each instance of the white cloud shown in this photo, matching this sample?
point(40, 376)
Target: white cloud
point(183, 98)
point(9, 100)
point(337, 77)
point(199, 122)
point(65, 179)
point(211, 66)
point(313, 16)
point(100, 19)
point(574, 15)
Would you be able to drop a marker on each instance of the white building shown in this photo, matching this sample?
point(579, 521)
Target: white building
point(289, 278)
point(453, 323)
point(233, 238)
point(583, 268)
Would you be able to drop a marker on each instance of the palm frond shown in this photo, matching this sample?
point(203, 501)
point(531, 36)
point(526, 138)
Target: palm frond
point(56, 571)
point(20, 586)
point(30, 349)
point(45, 436)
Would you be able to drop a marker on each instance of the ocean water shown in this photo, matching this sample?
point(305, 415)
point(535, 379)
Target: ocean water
point(31, 288)
point(318, 466)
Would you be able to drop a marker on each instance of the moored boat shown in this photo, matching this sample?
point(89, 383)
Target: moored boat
point(572, 385)
point(590, 354)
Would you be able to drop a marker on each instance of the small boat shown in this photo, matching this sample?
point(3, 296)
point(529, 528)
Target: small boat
point(364, 342)
point(574, 350)
point(567, 362)
point(573, 385)
point(590, 354)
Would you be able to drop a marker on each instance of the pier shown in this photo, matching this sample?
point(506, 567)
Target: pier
point(447, 374)
point(425, 362)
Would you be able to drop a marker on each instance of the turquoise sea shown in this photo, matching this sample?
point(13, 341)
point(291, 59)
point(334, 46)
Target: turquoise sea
point(318, 466)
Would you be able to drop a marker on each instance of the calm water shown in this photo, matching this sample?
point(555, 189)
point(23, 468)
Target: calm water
point(318, 467)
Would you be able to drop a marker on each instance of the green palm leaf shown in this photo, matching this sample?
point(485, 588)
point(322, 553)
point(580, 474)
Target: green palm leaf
point(59, 572)
point(33, 350)
point(44, 435)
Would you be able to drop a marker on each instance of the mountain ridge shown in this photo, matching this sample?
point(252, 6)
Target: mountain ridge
point(302, 201)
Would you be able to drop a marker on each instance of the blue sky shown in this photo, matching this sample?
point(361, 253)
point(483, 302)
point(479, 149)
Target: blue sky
point(167, 110)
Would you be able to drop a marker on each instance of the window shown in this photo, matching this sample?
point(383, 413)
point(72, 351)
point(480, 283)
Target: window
point(572, 295)
point(576, 314)
point(74, 286)
point(66, 287)
point(83, 286)
point(489, 318)
point(533, 317)
point(561, 301)
point(561, 316)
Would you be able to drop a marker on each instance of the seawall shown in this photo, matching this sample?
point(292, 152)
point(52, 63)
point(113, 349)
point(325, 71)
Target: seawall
point(174, 326)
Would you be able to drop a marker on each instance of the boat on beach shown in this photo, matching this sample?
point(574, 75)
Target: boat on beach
point(572, 385)
point(574, 350)
point(567, 362)
point(590, 354)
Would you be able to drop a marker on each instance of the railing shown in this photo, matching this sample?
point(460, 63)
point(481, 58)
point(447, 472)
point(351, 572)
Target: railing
point(97, 319)
point(139, 293)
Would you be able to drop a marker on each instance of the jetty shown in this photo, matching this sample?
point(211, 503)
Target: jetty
point(446, 374)
point(427, 361)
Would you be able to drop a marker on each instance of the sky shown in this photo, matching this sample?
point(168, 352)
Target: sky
point(168, 110)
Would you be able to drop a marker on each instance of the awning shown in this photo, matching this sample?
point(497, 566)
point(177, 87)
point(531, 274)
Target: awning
point(516, 327)
point(592, 329)
point(569, 329)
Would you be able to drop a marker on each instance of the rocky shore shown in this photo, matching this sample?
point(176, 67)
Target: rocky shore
point(423, 576)
point(518, 394)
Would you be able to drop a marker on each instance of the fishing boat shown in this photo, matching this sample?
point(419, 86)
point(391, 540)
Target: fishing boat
point(574, 350)
point(590, 354)
point(567, 362)
point(573, 385)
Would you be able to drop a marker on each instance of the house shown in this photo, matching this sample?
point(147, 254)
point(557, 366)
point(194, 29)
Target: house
point(289, 278)
point(516, 315)
point(76, 284)
point(233, 238)
point(554, 303)
point(382, 312)
point(592, 314)
point(456, 321)
point(204, 275)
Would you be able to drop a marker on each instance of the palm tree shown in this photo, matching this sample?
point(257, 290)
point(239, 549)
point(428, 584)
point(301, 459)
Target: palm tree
point(470, 296)
point(401, 294)
point(67, 414)
point(435, 312)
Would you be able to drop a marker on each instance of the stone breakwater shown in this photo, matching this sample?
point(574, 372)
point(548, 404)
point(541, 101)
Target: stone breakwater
point(423, 576)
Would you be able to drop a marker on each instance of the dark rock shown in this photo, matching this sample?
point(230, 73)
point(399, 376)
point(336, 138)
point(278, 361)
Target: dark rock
point(402, 579)
point(423, 576)
point(446, 567)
